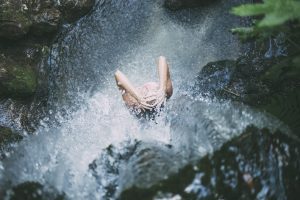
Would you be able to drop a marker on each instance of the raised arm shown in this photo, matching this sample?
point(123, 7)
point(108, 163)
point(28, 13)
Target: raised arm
point(124, 84)
point(165, 83)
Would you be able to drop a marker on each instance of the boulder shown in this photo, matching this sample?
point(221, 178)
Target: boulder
point(137, 163)
point(14, 22)
point(46, 22)
point(248, 80)
point(258, 164)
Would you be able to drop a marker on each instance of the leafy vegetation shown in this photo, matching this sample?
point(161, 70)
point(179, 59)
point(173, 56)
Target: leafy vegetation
point(271, 18)
point(276, 13)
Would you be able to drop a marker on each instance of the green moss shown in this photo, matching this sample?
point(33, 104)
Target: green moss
point(22, 82)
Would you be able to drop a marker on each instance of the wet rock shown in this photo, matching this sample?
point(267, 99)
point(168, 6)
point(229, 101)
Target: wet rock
point(246, 80)
point(14, 23)
point(17, 81)
point(256, 165)
point(74, 9)
point(46, 22)
point(214, 77)
point(33, 191)
point(179, 4)
point(27, 29)
point(135, 164)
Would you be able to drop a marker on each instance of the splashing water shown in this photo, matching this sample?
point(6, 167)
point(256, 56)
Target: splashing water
point(128, 35)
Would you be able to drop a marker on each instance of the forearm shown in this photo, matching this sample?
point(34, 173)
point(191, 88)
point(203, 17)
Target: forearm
point(163, 73)
point(124, 83)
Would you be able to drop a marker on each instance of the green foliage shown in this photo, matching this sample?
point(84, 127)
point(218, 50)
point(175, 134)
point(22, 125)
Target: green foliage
point(275, 13)
point(271, 18)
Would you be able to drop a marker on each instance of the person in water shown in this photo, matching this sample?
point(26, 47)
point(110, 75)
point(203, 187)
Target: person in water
point(150, 96)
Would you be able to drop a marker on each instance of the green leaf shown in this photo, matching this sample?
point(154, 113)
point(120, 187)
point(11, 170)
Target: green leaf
point(276, 12)
point(249, 10)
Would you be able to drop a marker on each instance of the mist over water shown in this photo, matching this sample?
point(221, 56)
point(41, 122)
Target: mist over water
point(84, 100)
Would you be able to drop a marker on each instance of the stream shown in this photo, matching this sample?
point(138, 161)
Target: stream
point(87, 118)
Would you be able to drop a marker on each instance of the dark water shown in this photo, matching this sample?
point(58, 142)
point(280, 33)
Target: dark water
point(72, 155)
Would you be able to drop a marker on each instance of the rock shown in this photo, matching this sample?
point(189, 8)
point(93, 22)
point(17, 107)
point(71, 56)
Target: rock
point(14, 23)
point(27, 29)
point(33, 191)
point(179, 4)
point(138, 164)
point(74, 9)
point(255, 165)
point(246, 80)
point(46, 22)
point(214, 77)
point(17, 81)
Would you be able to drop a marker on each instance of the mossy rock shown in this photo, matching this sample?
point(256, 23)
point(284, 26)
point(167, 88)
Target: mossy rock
point(18, 82)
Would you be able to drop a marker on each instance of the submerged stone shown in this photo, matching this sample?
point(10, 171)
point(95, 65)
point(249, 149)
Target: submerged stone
point(255, 165)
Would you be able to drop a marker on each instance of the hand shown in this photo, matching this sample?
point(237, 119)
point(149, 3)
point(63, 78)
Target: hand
point(144, 105)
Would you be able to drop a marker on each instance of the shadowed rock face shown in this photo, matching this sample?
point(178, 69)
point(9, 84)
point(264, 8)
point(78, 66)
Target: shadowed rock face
point(256, 165)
